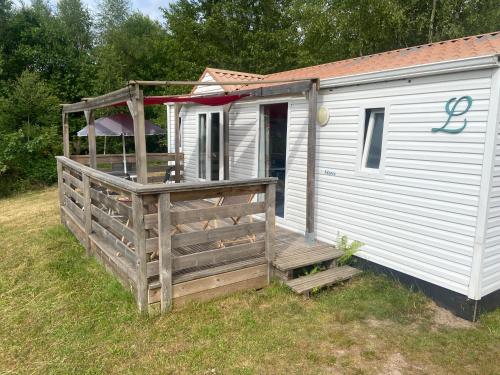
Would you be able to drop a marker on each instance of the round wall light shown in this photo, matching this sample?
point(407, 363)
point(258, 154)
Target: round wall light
point(323, 116)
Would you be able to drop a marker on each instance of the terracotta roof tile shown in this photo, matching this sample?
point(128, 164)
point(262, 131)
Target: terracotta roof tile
point(455, 49)
point(221, 75)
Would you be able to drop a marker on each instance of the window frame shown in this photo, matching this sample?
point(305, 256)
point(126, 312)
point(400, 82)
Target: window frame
point(363, 148)
point(208, 145)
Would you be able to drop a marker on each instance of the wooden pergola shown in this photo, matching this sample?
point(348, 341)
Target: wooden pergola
point(133, 96)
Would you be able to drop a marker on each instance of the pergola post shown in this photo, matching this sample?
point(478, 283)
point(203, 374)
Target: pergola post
point(136, 107)
point(311, 162)
point(177, 110)
point(65, 122)
point(89, 116)
point(225, 131)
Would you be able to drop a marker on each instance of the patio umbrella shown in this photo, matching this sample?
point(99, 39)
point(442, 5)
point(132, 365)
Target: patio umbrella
point(122, 125)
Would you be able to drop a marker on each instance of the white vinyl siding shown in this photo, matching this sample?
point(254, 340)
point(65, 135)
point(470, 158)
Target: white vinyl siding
point(208, 89)
point(420, 217)
point(243, 149)
point(491, 260)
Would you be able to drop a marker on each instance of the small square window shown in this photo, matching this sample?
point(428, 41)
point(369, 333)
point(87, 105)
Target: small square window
point(372, 145)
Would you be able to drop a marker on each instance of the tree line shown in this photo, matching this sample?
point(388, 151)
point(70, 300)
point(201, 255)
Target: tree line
point(52, 55)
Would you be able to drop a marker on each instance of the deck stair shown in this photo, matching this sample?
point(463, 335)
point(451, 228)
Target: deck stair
point(294, 255)
point(300, 257)
point(305, 284)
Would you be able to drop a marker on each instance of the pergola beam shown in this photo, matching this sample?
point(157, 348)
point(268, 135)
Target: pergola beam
point(89, 117)
point(65, 121)
point(114, 97)
point(198, 83)
point(297, 87)
point(136, 107)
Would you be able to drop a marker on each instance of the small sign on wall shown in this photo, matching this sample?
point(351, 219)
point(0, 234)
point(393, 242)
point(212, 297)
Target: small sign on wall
point(328, 172)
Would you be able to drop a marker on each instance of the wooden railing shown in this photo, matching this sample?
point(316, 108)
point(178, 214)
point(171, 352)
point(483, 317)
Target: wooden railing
point(155, 234)
point(157, 163)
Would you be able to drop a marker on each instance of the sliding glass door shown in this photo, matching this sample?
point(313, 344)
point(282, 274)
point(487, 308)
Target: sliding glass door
point(272, 148)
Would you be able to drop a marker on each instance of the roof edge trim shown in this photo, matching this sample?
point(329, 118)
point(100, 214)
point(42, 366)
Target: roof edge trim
point(441, 67)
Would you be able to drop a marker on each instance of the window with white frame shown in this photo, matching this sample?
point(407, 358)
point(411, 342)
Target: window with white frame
point(373, 139)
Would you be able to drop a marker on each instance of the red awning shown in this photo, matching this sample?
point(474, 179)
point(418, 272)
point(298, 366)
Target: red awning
point(205, 100)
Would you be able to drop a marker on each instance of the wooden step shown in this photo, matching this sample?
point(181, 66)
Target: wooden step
point(330, 276)
point(293, 260)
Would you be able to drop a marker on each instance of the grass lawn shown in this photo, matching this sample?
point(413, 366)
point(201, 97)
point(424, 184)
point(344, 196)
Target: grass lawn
point(61, 312)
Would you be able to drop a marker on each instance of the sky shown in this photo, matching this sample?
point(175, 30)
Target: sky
point(148, 7)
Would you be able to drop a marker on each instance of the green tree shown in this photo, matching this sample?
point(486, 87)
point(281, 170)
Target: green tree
point(136, 49)
point(112, 14)
point(29, 139)
point(76, 70)
point(254, 36)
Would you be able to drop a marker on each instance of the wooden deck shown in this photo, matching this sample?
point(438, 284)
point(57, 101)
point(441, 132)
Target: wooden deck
point(172, 243)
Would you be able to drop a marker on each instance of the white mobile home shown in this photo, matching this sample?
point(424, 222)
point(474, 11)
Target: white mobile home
point(404, 156)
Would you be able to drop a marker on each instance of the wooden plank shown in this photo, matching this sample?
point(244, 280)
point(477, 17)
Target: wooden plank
point(217, 256)
point(213, 83)
point(330, 276)
point(306, 258)
point(286, 89)
point(118, 158)
point(165, 256)
point(205, 295)
point(217, 234)
point(74, 209)
point(136, 107)
point(211, 257)
point(140, 249)
point(311, 161)
point(216, 192)
point(89, 116)
point(87, 203)
point(113, 204)
point(65, 121)
point(199, 285)
point(119, 248)
point(114, 97)
point(205, 272)
point(60, 183)
point(204, 185)
point(216, 213)
point(211, 213)
point(72, 223)
point(270, 227)
point(115, 226)
point(177, 135)
point(203, 189)
point(101, 177)
point(157, 168)
point(73, 194)
point(72, 180)
point(114, 265)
